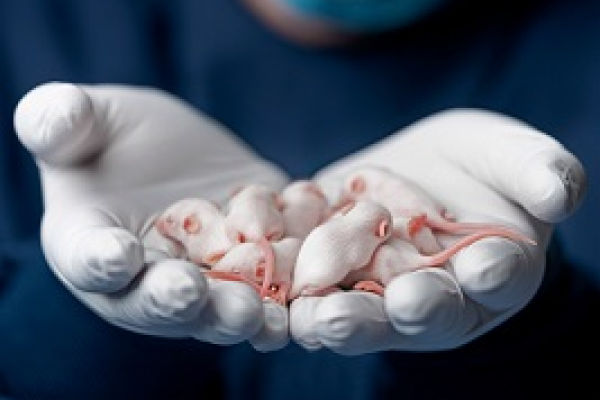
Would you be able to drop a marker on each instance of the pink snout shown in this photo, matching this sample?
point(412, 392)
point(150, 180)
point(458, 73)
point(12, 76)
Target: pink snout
point(162, 226)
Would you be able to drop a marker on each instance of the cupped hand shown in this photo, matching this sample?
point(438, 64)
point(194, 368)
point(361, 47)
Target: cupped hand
point(110, 158)
point(483, 167)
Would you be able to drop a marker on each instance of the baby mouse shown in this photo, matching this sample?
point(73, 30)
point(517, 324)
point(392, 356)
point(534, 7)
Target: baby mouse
point(397, 256)
point(254, 215)
point(246, 262)
point(254, 212)
point(344, 243)
point(414, 211)
point(199, 227)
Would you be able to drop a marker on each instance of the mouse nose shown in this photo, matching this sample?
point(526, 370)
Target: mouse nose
point(163, 225)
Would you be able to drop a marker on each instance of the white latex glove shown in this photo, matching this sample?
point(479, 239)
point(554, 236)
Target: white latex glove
point(482, 167)
point(112, 157)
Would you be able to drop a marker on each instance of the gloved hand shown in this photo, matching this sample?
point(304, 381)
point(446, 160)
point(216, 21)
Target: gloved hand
point(112, 157)
point(482, 167)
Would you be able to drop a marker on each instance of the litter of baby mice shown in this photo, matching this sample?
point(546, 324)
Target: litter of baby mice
point(295, 243)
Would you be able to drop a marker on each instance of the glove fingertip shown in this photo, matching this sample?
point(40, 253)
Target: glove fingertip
point(498, 273)
point(274, 334)
point(55, 121)
point(237, 308)
point(302, 322)
point(422, 304)
point(176, 291)
point(104, 259)
point(555, 185)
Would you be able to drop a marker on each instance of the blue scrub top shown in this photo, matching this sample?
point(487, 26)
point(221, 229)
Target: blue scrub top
point(302, 108)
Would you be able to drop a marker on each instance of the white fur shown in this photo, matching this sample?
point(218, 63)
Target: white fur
point(402, 197)
point(242, 258)
point(245, 257)
point(211, 238)
point(253, 211)
point(393, 258)
point(342, 244)
point(304, 208)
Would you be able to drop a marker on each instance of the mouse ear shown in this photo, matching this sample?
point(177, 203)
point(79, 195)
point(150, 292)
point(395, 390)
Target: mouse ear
point(383, 229)
point(358, 185)
point(191, 224)
point(162, 224)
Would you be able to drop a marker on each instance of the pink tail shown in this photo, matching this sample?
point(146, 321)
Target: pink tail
point(474, 227)
point(443, 256)
point(279, 294)
point(232, 276)
point(267, 249)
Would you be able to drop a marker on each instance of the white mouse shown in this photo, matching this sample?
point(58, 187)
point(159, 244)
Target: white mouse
point(344, 243)
point(416, 213)
point(398, 256)
point(199, 226)
point(246, 262)
point(254, 213)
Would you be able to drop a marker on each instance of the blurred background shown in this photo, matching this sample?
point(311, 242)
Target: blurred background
point(301, 107)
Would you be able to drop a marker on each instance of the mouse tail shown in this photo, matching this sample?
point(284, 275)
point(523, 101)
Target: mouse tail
point(232, 276)
point(443, 256)
point(475, 227)
point(269, 265)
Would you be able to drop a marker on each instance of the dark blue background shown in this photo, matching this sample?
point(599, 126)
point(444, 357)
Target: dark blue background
point(302, 108)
